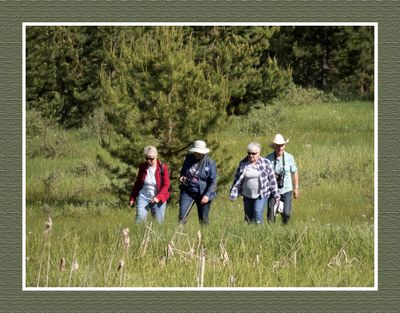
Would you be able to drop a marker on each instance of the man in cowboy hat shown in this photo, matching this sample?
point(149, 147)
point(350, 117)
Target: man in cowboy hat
point(198, 182)
point(286, 175)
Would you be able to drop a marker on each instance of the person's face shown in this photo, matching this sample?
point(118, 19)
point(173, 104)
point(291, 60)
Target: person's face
point(279, 149)
point(198, 156)
point(253, 155)
point(151, 159)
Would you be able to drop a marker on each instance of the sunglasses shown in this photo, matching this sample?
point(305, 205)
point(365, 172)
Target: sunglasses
point(252, 153)
point(149, 159)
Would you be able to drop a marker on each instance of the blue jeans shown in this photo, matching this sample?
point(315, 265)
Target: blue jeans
point(286, 198)
point(185, 202)
point(143, 205)
point(254, 209)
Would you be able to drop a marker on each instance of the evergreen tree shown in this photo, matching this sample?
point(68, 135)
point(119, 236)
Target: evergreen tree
point(337, 59)
point(241, 54)
point(156, 94)
point(62, 72)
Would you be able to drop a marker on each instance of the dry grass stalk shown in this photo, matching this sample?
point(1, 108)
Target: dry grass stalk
point(224, 257)
point(122, 275)
point(74, 266)
point(191, 253)
point(170, 249)
point(48, 225)
point(146, 240)
point(121, 264)
point(231, 282)
point(125, 238)
point(291, 255)
point(200, 269)
point(286, 261)
point(163, 260)
point(203, 265)
point(341, 260)
point(62, 265)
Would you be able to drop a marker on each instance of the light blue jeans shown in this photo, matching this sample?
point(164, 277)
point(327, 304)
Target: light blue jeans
point(143, 206)
point(254, 209)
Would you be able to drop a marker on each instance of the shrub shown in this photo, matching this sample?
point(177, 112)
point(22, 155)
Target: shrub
point(258, 121)
point(44, 137)
point(297, 95)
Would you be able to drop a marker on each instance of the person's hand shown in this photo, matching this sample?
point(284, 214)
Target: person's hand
point(155, 200)
point(296, 192)
point(131, 203)
point(204, 200)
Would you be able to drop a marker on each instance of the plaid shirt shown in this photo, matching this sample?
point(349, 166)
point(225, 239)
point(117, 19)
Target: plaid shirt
point(267, 179)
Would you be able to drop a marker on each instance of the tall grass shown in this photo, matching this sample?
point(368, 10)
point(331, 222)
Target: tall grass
point(329, 242)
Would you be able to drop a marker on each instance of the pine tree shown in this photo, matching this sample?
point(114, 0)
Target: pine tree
point(241, 53)
point(62, 72)
point(156, 94)
point(337, 59)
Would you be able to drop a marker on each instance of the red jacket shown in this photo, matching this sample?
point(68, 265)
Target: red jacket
point(162, 184)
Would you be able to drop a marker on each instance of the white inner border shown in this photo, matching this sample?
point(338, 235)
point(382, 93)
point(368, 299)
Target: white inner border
point(375, 288)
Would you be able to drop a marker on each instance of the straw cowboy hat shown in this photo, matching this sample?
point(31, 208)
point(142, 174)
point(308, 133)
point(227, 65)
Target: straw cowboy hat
point(199, 146)
point(278, 140)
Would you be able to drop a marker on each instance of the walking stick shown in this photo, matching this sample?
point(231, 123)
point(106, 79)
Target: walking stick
point(185, 217)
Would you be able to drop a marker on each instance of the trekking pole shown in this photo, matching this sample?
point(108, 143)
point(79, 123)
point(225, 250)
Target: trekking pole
point(185, 217)
point(182, 222)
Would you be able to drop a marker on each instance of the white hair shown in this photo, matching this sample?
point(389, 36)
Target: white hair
point(254, 146)
point(150, 150)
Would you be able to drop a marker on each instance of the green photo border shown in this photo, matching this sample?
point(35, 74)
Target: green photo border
point(14, 13)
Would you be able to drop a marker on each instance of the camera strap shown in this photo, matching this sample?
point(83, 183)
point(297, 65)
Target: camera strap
point(283, 161)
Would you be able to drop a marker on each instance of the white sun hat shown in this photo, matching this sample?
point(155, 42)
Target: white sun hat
point(199, 146)
point(278, 140)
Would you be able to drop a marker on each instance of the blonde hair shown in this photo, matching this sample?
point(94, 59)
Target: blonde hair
point(150, 150)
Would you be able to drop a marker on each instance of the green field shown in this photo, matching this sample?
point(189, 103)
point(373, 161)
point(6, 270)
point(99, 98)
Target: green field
point(329, 243)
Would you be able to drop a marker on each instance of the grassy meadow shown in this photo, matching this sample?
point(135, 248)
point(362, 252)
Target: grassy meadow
point(329, 242)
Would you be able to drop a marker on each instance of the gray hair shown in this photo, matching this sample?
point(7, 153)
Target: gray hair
point(150, 150)
point(254, 146)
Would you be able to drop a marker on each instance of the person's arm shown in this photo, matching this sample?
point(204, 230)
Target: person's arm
point(137, 185)
point(273, 185)
point(234, 190)
point(295, 177)
point(163, 194)
point(211, 183)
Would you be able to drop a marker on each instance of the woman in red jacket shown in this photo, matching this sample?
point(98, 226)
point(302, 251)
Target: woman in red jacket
point(150, 190)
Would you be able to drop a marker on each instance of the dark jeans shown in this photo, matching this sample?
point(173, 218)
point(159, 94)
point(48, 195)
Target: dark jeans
point(286, 198)
point(185, 203)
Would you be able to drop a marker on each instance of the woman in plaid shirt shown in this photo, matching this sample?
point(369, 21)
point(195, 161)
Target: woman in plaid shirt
point(255, 181)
